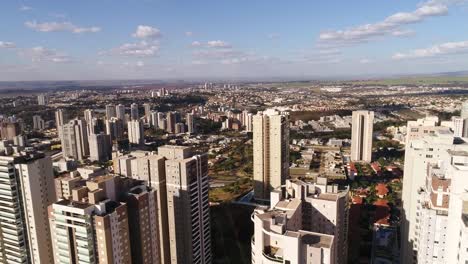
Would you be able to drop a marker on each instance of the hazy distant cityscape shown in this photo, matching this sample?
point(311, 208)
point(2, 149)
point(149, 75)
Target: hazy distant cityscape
point(231, 132)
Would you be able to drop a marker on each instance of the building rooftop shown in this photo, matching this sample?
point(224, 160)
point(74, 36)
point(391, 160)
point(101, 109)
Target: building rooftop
point(316, 239)
point(72, 203)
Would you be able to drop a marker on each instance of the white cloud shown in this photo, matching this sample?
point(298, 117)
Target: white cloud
point(215, 54)
point(403, 33)
point(147, 32)
point(189, 33)
point(389, 26)
point(139, 49)
point(7, 45)
point(436, 50)
point(196, 44)
point(218, 44)
point(42, 54)
point(60, 26)
point(25, 8)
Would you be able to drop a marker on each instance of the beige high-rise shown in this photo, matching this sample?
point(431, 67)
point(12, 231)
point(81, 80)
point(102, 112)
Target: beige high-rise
point(187, 205)
point(361, 135)
point(270, 152)
point(27, 184)
point(93, 226)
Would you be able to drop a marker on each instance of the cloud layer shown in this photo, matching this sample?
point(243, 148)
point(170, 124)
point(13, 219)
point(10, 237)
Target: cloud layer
point(436, 50)
point(60, 26)
point(7, 45)
point(42, 54)
point(392, 25)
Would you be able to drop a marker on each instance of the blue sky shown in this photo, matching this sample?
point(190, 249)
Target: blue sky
point(174, 39)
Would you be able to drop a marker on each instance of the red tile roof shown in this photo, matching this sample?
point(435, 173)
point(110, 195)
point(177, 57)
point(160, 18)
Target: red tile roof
point(381, 189)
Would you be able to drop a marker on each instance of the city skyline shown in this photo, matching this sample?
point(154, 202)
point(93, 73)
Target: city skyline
point(172, 40)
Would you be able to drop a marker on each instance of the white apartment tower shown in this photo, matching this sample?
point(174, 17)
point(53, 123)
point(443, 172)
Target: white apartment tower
point(135, 132)
point(361, 135)
point(88, 115)
point(74, 139)
point(425, 145)
point(464, 116)
point(441, 226)
point(270, 151)
point(42, 99)
point(307, 223)
point(27, 184)
point(60, 118)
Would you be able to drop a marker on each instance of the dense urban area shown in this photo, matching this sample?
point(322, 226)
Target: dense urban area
point(215, 172)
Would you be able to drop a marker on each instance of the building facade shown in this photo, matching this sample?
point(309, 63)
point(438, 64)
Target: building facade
point(270, 151)
point(361, 135)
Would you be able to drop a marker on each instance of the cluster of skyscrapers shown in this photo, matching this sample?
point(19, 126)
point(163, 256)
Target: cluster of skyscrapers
point(152, 209)
point(91, 137)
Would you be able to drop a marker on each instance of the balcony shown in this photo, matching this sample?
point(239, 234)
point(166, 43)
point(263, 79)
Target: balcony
point(273, 254)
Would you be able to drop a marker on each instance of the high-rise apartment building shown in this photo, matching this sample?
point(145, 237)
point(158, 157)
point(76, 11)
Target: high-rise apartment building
point(441, 226)
point(457, 126)
point(93, 226)
point(74, 139)
point(9, 130)
point(143, 218)
point(171, 120)
point(147, 108)
point(136, 132)
point(361, 135)
point(179, 128)
point(110, 111)
point(115, 128)
point(162, 124)
point(88, 115)
point(187, 205)
point(38, 123)
point(60, 118)
point(270, 151)
point(100, 147)
point(42, 99)
point(120, 112)
point(249, 123)
point(190, 123)
point(307, 223)
point(180, 182)
point(427, 145)
point(464, 116)
point(134, 115)
point(154, 119)
point(27, 184)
